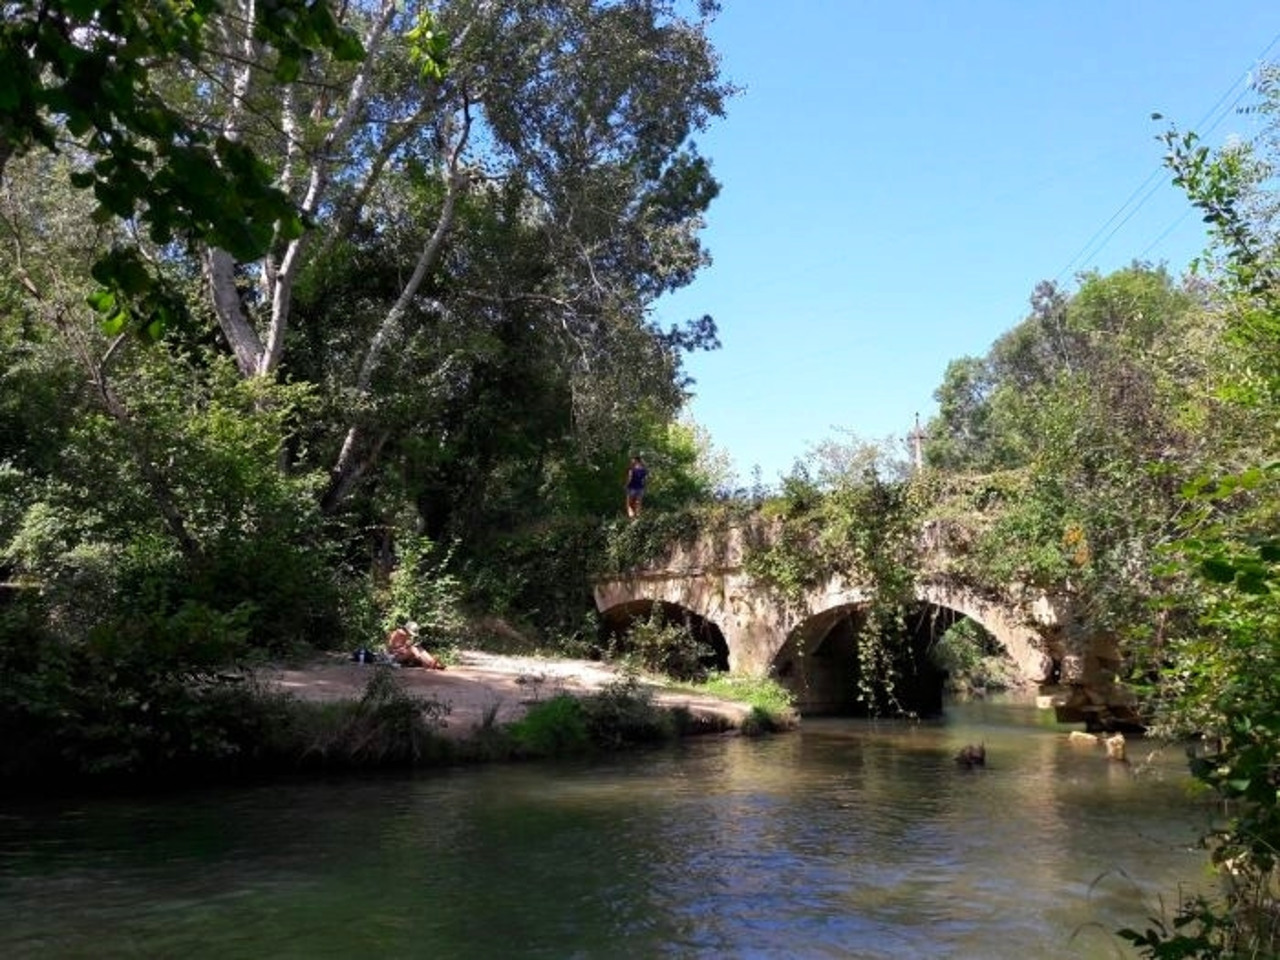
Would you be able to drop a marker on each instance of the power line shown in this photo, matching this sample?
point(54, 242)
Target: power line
point(1146, 190)
point(1097, 233)
point(1165, 232)
point(1188, 211)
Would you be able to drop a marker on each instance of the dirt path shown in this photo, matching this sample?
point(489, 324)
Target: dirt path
point(480, 683)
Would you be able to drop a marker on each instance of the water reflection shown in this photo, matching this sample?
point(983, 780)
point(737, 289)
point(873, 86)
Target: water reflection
point(850, 839)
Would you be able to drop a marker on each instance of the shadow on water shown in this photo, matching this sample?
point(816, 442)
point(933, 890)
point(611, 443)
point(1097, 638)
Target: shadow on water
point(849, 838)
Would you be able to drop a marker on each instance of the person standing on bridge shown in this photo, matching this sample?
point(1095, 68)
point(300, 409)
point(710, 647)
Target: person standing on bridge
point(637, 473)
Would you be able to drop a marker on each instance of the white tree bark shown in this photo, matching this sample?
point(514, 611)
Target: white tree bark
point(349, 465)
point(256, 356)
point(259, 344)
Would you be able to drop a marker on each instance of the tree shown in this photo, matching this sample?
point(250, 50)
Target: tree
point(1218, 660)
point(80, 77)
point(1082, 424)
point(567, 123)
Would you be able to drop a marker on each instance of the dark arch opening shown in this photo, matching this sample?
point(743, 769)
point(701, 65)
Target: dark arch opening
point(820, 663)
point(708, 651)
point(970, 657)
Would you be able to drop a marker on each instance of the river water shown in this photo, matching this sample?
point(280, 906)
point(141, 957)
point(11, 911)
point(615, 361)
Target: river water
point(846, 839)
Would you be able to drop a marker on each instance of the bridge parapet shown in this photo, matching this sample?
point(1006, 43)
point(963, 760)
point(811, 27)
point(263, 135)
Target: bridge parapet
point(723, 551)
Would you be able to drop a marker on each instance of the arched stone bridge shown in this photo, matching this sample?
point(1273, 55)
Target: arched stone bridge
point(810, 647)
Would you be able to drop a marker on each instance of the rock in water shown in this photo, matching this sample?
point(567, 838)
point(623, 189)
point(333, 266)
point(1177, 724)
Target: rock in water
point(971, 756)
point(1115, 747)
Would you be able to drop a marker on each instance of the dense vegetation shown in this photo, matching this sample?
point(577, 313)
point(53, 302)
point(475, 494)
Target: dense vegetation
point(303, 310)
point(317, 318)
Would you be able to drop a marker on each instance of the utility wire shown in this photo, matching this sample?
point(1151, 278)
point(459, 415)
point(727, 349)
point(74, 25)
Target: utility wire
point(1080, 254)
point(1165, 232)
point(1147, 189)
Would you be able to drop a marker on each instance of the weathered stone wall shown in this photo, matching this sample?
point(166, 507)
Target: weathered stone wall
point(1037, 630)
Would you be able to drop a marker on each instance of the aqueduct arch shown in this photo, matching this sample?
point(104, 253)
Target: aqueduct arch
point(708, 579)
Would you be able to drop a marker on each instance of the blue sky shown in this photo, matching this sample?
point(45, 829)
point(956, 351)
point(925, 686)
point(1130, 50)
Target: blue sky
point(897, 176)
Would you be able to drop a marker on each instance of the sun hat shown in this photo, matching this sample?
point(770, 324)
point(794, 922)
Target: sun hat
point(412, 627)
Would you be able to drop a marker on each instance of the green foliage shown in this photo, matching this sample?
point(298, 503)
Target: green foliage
point(1033, 540)
point(1197, 931)
point(766, 696)
point(540, 577)
point(1217, 679)
point(1078, 429)
point(762, 720)
point(620, 715)
point(551, 728)
point(972, 659)
point(1219, 659)
point(240, 533)
point(865, 530)
point(387, 726)
point(84, 69)
point(629, 544)
point(660, 647)
point(142, 697)
point(623, 714)
point(422, 589)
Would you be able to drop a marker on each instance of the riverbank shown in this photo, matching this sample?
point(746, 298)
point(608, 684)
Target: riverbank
point(482, 689)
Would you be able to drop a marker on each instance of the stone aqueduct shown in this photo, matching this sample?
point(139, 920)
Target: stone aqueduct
point(760, 635)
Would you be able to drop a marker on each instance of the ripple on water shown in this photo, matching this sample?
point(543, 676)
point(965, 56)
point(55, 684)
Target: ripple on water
point(847, 839)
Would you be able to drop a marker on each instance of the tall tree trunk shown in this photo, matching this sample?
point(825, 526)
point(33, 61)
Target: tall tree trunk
point(349, 464)
point(256, 356)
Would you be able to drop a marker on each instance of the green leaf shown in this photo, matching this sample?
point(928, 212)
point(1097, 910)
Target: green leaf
point(103, 301)
point(288, 69)
point(1253, 581)
point(347, 46)
point(115, 323)
point(1217, 570)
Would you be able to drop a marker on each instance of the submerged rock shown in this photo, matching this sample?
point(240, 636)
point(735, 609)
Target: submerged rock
point(971, 756)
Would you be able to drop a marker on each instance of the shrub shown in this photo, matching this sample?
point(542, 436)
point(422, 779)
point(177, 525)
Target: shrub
point(423, 590)
point(552, 728)
point(665, 648)
point(387, 726)
point(623, 713)
point(143, 698)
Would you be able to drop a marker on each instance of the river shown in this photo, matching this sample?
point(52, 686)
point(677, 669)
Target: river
point(846, 839)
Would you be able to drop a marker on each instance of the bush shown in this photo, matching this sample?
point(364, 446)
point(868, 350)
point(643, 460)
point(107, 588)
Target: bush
point(147, 696)
point(620, 715)
point(670, 649)
point(422, 589)
point(623, 713)
point(540, 578)
point(554, 727)
point(387, 726)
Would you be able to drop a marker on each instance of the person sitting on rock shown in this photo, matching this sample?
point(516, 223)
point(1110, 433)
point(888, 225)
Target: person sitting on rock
point(402, 644)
